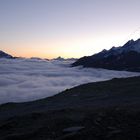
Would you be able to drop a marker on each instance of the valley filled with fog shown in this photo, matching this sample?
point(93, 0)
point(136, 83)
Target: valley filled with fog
point(30, 79)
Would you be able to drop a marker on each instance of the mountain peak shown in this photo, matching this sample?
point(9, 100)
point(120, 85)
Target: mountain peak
point(5, 55)
point(104, 50)
point(131, 45)
point(129, 42)
point(126, 57)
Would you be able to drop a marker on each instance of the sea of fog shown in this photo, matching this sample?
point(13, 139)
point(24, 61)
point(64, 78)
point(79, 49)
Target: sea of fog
point(31, 79)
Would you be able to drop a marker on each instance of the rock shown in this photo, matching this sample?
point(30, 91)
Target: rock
point(73, 129)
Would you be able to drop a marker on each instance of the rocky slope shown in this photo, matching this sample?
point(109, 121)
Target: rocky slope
point(100, 111)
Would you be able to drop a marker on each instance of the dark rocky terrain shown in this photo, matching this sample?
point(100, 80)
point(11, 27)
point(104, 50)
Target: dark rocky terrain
point(108, 110)
point(125, 58)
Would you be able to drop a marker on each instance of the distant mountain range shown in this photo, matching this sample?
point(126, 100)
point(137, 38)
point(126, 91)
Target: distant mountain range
point(63, 59)
point(126, 57)
point(5, 55)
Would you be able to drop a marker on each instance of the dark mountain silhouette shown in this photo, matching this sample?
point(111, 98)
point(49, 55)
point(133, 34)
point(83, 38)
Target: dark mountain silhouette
point(126, 57)
point(5, 55)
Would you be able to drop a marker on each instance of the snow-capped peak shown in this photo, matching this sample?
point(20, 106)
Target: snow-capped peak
point(132, 46)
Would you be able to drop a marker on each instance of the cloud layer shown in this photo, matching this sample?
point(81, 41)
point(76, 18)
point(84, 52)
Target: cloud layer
point(30, 79)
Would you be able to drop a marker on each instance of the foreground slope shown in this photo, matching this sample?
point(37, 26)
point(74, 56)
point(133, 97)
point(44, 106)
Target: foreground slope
point(103, 110)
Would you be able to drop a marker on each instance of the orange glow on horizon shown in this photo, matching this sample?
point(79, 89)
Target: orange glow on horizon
point(64, 47)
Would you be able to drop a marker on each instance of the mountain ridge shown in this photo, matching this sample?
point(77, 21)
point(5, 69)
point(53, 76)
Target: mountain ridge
point(5, 55)
point(126, 57)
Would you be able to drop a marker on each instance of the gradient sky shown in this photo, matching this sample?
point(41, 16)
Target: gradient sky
point(67, 28)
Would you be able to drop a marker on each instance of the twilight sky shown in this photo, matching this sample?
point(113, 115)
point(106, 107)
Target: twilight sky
point(67, 28)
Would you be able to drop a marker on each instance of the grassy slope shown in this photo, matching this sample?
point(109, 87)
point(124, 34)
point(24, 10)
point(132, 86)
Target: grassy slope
point(105, 110)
